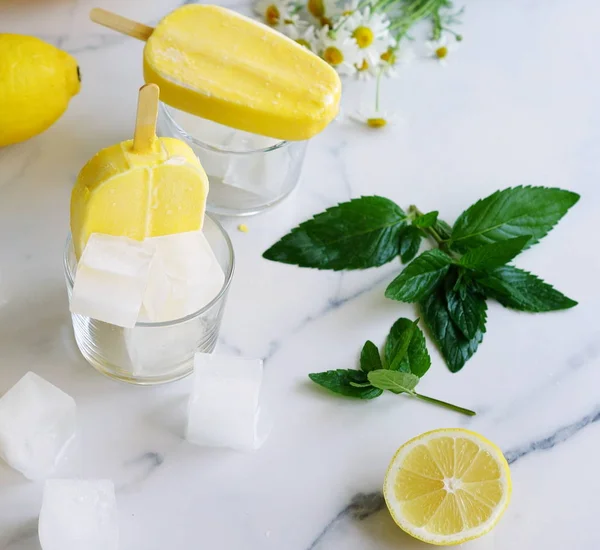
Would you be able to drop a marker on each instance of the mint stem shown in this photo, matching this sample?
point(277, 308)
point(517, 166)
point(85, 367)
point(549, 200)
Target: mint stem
point(450, 406)
point(412, 209)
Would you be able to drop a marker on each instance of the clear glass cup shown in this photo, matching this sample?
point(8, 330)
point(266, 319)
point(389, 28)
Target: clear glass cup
point(154, 353)
point(247, 173)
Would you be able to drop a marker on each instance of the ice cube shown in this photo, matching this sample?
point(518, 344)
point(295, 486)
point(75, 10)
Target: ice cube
point(156, 351)
point(261, 173)
point(111, 279)
point(37, 421)
point(185, 276)
point(224, 404)
point(79, 514)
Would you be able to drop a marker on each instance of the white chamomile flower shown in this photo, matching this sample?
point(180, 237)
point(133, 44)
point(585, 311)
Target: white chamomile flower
point(305, 36)
point(394, 57)
point(371, 32)
point(366, 71)
point(322, 11)
point(345, 9)
point(440, 49)
point(273, 12)
point(374, 118)
point(339, 50)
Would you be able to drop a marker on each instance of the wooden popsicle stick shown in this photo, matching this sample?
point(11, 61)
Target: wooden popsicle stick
point(121, 24)
point(145, 120)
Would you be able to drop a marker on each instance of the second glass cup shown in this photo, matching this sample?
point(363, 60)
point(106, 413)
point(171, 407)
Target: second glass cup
point(154, 353)
point(247, 173)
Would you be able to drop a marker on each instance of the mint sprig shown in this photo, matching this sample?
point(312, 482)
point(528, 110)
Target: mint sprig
point(406, 361)
point(451, 283)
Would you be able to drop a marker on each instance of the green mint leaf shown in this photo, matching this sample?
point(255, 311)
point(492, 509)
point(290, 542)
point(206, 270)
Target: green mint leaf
point(420, 277)
point(518, 289)
point(398, 341)
point(358, 234)
point(454, 346)
point(365, 385)
point(340, 381)
point(466, 307)
point(413, 358)
point(490, 256)
point(442, 229)
point(370, 358)
point(410, 241)
point(394, 381)
point(510, 213)
point(416, 360)
point(426, 220)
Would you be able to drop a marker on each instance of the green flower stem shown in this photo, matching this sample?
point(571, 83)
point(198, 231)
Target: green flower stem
point(377, 90)
point(444, 404)
point(413, 12)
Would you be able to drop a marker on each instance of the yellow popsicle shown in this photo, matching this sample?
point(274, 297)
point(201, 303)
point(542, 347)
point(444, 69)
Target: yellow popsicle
point(145, 187)
point(218, 64)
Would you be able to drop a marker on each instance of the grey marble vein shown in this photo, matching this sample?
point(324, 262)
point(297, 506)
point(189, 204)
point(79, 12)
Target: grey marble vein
point(362, 506)
point(333, 304)
point(559, 436)
point(149, 463)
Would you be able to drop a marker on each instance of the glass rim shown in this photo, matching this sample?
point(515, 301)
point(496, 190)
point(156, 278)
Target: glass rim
point(195, 314)
point(213, 148)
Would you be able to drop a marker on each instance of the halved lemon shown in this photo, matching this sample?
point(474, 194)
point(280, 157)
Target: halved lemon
point(447, 486)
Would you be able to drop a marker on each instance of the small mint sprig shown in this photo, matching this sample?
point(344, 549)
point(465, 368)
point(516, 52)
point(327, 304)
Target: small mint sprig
point(405, 360)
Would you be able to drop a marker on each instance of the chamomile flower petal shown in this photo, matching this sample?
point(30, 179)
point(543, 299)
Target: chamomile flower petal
point(273, 12)
point(322, 11)
point(305, 36)
point(345, 9)
point(339, 49)
point(440, 49)
point(374, 118)
point(394, 57)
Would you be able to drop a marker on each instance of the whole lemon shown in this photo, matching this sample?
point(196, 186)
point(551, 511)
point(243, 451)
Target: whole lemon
point(37, 81)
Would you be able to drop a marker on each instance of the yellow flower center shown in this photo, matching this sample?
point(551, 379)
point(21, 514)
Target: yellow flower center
point(376, 122)
point(333, 56)
point(316, 8)
point(389, 56)
point(272, 15)
point(441, 52)
point(364, 66)
point(347, 13)
point(304, 43)
point(364, 36)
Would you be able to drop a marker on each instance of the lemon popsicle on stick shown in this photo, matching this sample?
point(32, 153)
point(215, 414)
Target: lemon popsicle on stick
point(217, 64)
point(145, 187)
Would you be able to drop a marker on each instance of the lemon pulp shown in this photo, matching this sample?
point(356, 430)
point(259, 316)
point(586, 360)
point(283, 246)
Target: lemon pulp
point(447, 486)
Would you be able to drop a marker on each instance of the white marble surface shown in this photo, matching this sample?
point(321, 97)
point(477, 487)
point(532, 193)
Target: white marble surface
point(518, 104)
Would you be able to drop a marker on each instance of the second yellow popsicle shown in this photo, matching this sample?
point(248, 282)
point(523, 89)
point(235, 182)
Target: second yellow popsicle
point(217, 64)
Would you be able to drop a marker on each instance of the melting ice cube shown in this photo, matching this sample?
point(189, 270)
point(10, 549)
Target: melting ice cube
point(111, 279)
point(223, 409)
point(185, 276)
point(78, 515)
point(37, 421)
